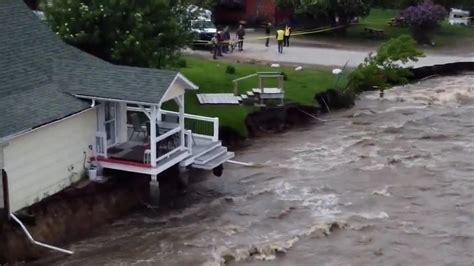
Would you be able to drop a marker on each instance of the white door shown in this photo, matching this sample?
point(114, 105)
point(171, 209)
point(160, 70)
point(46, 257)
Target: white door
point(110, 124)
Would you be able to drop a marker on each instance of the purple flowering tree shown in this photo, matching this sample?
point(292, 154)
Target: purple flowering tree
point(424, 19)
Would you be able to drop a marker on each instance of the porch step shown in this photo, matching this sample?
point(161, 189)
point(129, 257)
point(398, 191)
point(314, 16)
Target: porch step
point(210, 155)
point(268, 90)
point(215, 162)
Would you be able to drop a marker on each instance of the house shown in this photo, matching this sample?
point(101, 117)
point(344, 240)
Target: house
point(62, 108)
point(251, 11)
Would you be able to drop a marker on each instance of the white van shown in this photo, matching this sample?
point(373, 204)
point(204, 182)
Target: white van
point(203, 27)
point(459, 17)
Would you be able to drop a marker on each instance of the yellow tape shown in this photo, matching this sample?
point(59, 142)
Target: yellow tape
point(318, 30)
point(298, 33)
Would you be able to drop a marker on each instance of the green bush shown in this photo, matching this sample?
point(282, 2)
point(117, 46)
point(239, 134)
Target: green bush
point(285, 77)
point(182, 63)
point(380, 71)
point(230, 70)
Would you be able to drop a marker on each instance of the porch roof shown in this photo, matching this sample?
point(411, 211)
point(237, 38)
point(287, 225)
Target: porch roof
point(124, 83)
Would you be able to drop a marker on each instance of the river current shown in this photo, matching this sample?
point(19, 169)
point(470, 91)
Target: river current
point(388, 182)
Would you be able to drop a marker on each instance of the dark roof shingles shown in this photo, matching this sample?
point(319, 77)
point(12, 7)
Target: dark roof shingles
point(39, 73)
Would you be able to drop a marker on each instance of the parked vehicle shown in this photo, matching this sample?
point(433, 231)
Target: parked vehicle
point(202, 27)
point(459, 17)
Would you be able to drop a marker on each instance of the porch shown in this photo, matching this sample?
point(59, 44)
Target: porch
point(186, 139)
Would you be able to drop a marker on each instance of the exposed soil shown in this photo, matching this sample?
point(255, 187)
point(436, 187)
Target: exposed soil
point(71, 215)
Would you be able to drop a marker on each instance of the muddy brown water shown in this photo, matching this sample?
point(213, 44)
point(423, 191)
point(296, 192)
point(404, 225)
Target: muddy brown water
point(389, 182)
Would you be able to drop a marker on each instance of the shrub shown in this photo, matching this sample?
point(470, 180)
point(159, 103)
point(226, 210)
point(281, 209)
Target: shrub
point(423, 19)
point(285, 77)
point(230, 70)
point(182, 63)
point(385, 68)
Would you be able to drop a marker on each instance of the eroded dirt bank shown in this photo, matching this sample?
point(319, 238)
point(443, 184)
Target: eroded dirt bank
point(72, 215)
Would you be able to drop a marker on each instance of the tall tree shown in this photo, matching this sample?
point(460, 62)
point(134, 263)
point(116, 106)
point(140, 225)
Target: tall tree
point(138, 33)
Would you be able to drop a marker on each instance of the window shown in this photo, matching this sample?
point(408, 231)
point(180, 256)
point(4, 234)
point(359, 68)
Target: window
point(110, 122)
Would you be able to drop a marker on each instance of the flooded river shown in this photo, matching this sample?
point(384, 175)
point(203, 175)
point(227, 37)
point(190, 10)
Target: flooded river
point(389, 182)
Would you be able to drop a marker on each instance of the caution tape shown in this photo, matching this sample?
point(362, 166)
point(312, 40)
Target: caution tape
point(317, 30)
point(297, 33)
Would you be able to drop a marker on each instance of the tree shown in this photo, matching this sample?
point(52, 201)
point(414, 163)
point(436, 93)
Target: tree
point(423, 19)
point(386, 66)
point(332, 11)
point(138, 33)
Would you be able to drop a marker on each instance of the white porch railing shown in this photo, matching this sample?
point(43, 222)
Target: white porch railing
point(189, 142)
point(202, 126)
point(101, 144)
point(164, 141)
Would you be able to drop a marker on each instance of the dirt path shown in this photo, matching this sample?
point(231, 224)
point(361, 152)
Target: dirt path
point(320, 56)
point(323, 53)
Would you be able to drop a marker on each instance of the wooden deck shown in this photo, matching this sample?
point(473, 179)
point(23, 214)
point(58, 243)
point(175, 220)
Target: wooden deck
point(218, 98)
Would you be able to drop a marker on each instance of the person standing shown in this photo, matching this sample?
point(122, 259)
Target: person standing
point(226, 39)
point(268, 31)
point(280, 37)
point(220, 41)
point(287, 36)
point(240, 37)
point(215, 46)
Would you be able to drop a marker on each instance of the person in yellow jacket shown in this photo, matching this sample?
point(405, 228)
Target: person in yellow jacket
point(280, 36)
point(287, 36)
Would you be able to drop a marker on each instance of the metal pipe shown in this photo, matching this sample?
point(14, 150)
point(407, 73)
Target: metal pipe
point(36, 242)
point(310, 115)
point(241, 163)
point(6, 195)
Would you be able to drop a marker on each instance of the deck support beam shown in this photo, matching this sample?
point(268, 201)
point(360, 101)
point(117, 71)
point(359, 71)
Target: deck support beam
point(154, 190)
point(153, 117)
point(183, 177)
point(180, 101)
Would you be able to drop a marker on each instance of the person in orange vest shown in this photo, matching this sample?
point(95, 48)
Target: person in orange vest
point(287, 36)
point(280, 36)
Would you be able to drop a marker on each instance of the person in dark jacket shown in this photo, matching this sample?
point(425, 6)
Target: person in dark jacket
point(226, 46)
point(240, 37)
point(220, 41)
point(268, 31)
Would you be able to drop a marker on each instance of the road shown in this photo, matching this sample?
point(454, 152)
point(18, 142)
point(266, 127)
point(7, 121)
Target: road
point(322, 56)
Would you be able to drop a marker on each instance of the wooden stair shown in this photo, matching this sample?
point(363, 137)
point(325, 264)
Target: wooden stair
point(212, 158)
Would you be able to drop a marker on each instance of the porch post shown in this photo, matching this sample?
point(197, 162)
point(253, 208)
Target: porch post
point(153, 117)
point(181, 119)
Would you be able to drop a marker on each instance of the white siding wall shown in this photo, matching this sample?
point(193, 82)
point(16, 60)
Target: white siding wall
point(46, 160)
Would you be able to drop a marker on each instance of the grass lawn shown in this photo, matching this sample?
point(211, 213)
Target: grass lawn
point(210, 76)
point(378, 18)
